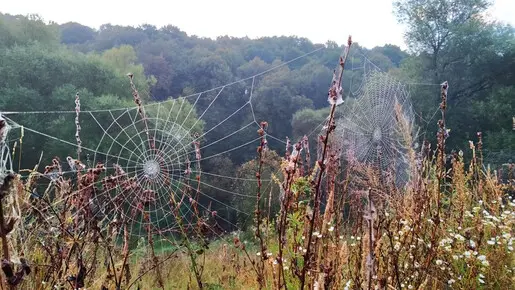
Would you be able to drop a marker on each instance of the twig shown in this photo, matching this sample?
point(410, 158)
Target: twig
point(257, 213)
point(334, 93)
point(77, 125)
point(141, 111)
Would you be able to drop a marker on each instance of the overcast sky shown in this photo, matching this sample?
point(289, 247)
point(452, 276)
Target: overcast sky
point(370, 22)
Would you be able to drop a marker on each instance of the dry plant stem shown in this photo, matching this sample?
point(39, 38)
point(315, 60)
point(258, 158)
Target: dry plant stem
point(328, 213)
point(283, 222)
point(480, 149)
point(125, 254)
point(178, 218)
point(199, 267)
point(282, 229)
point(141, 111)
point(170, 256)
point(441, 176)
point(155, 260)
point(176, 205)
point(371, 260)
point(5, 245)
point(77, 125)
point(305, 145)
point(442, 135)
point(268, 214)
point(259, 236)
point(331, 126)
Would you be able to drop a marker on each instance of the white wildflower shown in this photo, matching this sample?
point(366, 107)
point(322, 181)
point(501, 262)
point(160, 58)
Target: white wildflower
point(459, 237)
point(347, 285)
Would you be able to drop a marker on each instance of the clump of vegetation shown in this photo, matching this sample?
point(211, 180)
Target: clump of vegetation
point(337, 227)
point(451, 225)
point(327, 221)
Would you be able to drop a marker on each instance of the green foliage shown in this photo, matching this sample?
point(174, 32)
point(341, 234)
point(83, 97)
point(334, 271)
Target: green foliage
point(248, 185)
point(306, 120)
point(431, 25)
point(21, 30)
point(39, 78)
point(276, 99)
point(453, 41)
point(123, 60)
point(76, 33)
point(493, 116)
point(180, 117)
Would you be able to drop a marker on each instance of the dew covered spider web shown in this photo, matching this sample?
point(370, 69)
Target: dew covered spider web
point(376, 127)
point(164, 168)
point(148, 164)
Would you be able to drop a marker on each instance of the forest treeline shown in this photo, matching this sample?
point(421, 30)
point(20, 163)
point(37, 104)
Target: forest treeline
point(44, 64)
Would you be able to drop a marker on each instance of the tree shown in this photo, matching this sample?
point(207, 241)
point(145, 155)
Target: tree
point(123, 60)
point(158, 66)
point(393, 52)
point(75, 33)
point(110, 36)
point(433, 24)
point(306, 121)
point(248, 185)
point(453, 41)
point(277, 99)
point(313, 80)
point(22, 30)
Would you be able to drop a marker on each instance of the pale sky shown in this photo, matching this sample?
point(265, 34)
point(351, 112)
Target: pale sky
point(370, 22)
